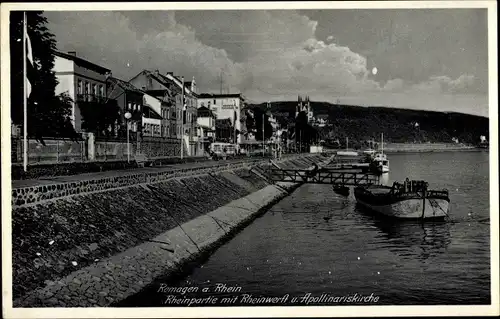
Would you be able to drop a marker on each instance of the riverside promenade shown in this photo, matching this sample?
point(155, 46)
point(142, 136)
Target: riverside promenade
point(48, 180)
point(95, 239)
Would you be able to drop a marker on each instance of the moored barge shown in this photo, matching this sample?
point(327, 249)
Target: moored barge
point(408, 200)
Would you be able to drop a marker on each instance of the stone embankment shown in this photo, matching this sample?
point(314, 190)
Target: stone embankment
point(94, 244)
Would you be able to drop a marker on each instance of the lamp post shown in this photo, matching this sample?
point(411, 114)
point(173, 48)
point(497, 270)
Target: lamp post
point(128, 115)
point(263, 136)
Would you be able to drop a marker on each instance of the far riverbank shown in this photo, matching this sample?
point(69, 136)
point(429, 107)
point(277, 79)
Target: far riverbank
point(426, 147)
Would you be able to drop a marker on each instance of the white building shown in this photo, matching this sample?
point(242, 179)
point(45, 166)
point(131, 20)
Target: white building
point(151, 121)
point(225, 106)
point(81, 80)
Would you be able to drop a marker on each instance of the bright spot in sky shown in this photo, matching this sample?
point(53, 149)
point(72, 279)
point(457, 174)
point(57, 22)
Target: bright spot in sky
point(374, 71)
point(128, 64)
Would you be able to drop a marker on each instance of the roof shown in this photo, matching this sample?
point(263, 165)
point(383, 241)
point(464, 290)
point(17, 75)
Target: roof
point(81, 62)
point(205, 111)
point(214, 96)
point(125, 85)
point(152, 114)
point(187, 84)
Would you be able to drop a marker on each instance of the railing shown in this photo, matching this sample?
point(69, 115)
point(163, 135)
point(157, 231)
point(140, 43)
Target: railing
point(323, 176)
point(55, 150)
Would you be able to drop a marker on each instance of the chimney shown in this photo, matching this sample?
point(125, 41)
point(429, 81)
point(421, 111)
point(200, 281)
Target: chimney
point(73, 53)
point(170, 73)
point(157, 72)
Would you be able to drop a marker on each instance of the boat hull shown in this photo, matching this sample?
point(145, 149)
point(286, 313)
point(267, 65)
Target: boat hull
point(403, 205)
point(411, 208)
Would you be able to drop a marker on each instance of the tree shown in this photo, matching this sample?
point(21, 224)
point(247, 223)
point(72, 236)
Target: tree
point(100, 117)
point(48, 115)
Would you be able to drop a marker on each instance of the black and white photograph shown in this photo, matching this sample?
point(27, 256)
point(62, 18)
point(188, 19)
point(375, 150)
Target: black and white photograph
point(249, 159)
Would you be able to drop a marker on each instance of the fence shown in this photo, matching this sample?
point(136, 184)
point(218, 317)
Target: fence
point(89, 149)
point(54, 151)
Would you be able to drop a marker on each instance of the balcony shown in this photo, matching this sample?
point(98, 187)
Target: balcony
point(90, 98)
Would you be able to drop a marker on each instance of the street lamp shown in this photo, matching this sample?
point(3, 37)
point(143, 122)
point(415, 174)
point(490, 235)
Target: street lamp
point(128, 115)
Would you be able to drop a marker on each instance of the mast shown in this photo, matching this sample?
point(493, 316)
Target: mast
point(382, 143)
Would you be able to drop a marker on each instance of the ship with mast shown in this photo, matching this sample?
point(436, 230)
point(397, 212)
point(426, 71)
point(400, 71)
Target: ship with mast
point(380, 162)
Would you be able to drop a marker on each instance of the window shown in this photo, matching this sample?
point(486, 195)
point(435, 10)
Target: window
point(87, 87)
point(168, 114)
point(215, 101)
point(138, 107)
point(80, 87)
point(129, 106)
point(101, 90)
point(94, 89)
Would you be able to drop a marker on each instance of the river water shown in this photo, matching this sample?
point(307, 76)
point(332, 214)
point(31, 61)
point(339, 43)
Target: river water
point(319, 243)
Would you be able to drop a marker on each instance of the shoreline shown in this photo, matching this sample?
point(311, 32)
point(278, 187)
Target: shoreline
point(423, 148)
point(105, 267)
point(432, 150)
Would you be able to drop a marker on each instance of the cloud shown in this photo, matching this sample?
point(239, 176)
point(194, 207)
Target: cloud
point(111, 40)
point(444, 84)
point(263, 54)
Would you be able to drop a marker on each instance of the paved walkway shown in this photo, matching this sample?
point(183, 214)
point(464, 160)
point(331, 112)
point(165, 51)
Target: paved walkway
point(46, 180)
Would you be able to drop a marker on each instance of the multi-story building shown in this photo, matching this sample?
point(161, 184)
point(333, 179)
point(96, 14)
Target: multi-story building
point(82, 80)
point(129, 99)
point(170, 90)
point(154, 85)
point(151, 118)
point(225, 106)
point(189, 115)
point(206, 125)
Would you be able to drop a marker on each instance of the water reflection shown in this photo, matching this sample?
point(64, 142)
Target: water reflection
point(415, 239)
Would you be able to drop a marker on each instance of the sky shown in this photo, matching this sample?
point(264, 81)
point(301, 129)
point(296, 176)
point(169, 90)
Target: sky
point(430, 59)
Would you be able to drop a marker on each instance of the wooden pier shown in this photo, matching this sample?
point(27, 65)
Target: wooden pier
point(325, 175)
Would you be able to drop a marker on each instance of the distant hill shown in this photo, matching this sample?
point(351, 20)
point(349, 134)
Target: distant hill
point(398, 125)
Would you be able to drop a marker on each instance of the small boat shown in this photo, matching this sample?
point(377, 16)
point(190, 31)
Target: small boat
point(341, 190)
point(408, 200)
point(379, 162)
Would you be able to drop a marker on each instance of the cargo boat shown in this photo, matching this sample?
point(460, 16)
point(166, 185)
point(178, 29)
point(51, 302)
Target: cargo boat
point(408, 200)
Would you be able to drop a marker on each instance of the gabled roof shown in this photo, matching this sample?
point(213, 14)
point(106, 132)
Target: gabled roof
point(204, 111)
point(124, 85)
point(214, 96)
point(81, 62)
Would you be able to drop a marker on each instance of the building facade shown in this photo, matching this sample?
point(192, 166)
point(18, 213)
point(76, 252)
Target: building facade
point(155, 86)
point(206, 126)
point(129, 99)
point(225, 106)
point(187, 118)
point(82, 80)
point(151, 118)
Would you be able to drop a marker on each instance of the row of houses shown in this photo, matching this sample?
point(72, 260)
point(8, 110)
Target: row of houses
point(154, 100)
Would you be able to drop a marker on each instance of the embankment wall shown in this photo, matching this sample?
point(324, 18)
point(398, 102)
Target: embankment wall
point(99, 246)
